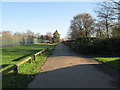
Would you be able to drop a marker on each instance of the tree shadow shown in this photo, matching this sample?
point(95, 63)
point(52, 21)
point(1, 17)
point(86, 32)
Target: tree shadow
point(64, 50)
point(104, 56)
point(13, 51)
point(21, 57)
point(115, 64)
point(31, 53)
point(4, 65)
point(78, 76)
point(11, 80)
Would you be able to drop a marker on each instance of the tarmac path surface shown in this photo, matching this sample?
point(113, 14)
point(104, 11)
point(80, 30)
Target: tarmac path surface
point(65, 68)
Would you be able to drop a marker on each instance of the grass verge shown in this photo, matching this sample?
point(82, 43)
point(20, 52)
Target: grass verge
point(27, 71)
point(13, 55)
point(110, 61)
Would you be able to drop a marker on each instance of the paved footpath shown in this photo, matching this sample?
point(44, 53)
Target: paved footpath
point(65, 68)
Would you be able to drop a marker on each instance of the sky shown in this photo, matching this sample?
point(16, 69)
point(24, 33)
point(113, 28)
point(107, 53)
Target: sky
point(42, 17)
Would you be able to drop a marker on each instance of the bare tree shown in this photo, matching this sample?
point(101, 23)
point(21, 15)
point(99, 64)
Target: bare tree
point(29, 33)
point(49, 36)
point(73, 33)
point(116, 7)
point(7, 38)
point(100, 29)
point(106, 14)
point(85, 22)
point(37, 35)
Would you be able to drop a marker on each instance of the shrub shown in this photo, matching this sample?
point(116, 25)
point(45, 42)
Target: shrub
point(108, 46)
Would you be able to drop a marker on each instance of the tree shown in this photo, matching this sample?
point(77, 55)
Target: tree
point(100, 29)
point(30, 37)
point(106, 14)
point(74, 31)
point(49, 36)
point(29, 33)
point(115, 31)
point(7, 38)
point(82, 25)
point(56, 36)
point(42, 37)
point(37, 35)
point(116, 7)
point(116, 27)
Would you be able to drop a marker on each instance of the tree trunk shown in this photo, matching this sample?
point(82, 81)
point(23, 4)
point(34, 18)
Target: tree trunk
point(86, 33)
point(107, 28)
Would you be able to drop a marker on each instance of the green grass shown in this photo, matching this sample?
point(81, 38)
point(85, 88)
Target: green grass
point(26, 70)
point(110, 61)
point(13, 55)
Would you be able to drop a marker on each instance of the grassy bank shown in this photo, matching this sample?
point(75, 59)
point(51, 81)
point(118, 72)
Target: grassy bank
point(28, 70)
point(110, 61)
point(13, 55)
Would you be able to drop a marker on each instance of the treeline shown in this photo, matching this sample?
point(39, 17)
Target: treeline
point(8, 38)
point(97, 36)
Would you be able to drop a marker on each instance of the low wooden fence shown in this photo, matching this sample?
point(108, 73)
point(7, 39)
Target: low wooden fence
point(15, 67)
point(38, 53)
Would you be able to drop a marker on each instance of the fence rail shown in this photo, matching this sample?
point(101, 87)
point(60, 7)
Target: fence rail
point(15, 67)
point(29, 58)
point(38, 53)
point(9, 69)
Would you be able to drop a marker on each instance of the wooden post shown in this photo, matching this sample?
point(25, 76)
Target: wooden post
point(15, 70)
point(43, 51)
point(30, 61)
point(39, 54)
point(34, 57)
point(46, 49)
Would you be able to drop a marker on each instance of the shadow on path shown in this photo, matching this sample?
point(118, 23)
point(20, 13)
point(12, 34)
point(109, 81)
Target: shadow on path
point(79, 76)
point(65, 68)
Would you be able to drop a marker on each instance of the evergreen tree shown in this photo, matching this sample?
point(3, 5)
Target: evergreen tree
point(56, 36)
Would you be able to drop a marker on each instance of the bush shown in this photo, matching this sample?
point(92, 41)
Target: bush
point(108, 46)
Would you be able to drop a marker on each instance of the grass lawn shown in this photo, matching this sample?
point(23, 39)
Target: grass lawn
point(26, 70)
point(13, 55)
point(110, 61)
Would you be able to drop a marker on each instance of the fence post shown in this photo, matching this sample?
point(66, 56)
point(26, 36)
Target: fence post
point(30, 61)
point(39, 54)
point(34, 57)
point(46, 49)
point(16, 70)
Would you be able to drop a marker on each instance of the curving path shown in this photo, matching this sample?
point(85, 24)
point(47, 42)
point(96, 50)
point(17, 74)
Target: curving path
point(65, 68)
